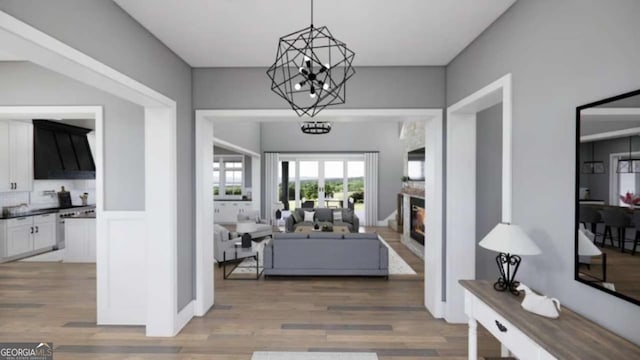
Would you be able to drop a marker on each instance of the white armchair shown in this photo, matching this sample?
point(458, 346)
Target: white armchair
point(222, 240)
point(249, 222)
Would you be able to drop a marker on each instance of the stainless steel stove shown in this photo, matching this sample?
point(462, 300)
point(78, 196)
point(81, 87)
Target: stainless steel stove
point(63, 214)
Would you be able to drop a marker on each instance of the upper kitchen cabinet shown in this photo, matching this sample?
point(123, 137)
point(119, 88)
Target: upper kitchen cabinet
point(62, 151)
point(16, 156)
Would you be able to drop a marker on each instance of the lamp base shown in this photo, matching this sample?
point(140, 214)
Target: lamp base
point(507, 282)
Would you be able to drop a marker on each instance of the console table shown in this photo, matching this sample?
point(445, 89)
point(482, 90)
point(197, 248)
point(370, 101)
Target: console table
point(530, 336)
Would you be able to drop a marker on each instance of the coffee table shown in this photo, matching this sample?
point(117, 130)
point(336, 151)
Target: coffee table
point(237, 253)
point(341, 229)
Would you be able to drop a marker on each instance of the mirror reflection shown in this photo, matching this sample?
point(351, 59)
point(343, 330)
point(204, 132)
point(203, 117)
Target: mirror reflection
point(608, 168)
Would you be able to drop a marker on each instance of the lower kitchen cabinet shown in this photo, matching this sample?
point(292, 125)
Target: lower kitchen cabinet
point(80, 240)
point(44, 234)
point(19, 238)
point(226, 212)
point(24, 236)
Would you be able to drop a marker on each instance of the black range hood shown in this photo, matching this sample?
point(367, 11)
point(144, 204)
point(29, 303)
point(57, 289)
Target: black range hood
point(61, 151)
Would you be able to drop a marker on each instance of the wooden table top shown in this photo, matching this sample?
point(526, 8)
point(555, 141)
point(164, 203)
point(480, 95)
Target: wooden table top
point(309, 229)
point(571, 336)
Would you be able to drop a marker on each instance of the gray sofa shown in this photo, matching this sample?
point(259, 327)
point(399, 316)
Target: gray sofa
point(323, 215)
point(329, 254)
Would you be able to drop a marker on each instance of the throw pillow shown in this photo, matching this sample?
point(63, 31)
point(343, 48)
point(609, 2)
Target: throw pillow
point(296, 217)
point(337, 216)
point(308, 216)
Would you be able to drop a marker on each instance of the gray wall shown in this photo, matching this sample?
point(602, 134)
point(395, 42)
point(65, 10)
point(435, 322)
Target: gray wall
point(25, 83)
point(488, 185)
point(562, 54)
point(370, 87)
point(348, 137)
point(102, 30)
point(242, 133)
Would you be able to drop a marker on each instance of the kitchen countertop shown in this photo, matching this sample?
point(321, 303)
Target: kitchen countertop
point(36, 212)
point(82, 216)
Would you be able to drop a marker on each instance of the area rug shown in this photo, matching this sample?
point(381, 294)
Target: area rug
point(397, 266)
point(277, 355)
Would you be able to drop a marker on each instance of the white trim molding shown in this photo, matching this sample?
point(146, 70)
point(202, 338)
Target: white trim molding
point(461, 185)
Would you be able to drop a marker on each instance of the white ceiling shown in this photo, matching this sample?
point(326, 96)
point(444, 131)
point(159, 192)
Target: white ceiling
point(230, 33)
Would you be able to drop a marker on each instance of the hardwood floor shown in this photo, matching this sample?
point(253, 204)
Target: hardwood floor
point(55, 302)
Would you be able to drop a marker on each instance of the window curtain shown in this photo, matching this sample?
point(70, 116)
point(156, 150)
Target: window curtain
point(371, 188)
point(270, 184)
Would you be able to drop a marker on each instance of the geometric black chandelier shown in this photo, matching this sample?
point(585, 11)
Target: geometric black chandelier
point(311, 71)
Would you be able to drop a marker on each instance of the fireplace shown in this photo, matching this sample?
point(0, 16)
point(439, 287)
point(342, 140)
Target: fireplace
point(416, 206)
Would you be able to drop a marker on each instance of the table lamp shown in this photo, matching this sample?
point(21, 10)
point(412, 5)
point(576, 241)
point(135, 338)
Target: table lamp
point(511, 242)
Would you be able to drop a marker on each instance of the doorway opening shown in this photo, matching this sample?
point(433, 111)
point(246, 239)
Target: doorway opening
point(207, 121)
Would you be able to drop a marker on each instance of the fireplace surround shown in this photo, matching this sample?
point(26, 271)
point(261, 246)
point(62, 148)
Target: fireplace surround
point(417, 219)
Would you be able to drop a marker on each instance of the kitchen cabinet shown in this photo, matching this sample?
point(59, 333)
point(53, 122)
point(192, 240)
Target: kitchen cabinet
point(44, 235)
point(16, 156)
point(24, 236)
point(19, 239)
point(226, 212)
point(80, 240)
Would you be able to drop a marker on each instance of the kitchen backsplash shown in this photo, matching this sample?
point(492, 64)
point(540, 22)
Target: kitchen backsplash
point(40, 197)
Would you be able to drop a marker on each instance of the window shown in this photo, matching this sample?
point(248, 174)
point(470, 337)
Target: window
point(228, 175)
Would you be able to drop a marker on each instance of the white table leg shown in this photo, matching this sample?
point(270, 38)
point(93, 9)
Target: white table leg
point(473, 339)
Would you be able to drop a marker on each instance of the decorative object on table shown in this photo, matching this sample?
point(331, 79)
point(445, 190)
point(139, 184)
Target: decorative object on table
point(310, 72)
point(593, 166)
point(64, 198)
point(316, 226)
point(511, 242)
point(630, 164)
point(630, 199)
point(84, 198)
point(246, 240)
point(276, 209)
point(539, 304)
point(327, 227)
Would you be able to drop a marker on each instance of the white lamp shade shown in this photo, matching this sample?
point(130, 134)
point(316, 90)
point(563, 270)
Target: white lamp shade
point(509, 239)
point(585, 244)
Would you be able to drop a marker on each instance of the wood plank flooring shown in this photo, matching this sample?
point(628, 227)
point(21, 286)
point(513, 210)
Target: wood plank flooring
point(57, 303)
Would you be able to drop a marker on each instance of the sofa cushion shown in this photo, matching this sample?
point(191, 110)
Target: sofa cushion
point(325, 235)
point(220, 232)
point(297, 217)
point(337, 215)
point(324, 215)
point(290, 236)
point(340, 223)
point(347, 215)
point(362, 236)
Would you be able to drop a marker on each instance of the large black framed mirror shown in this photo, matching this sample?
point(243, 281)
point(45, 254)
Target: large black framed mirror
point(607, 237)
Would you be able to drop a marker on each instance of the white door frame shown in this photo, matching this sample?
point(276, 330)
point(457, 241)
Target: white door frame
point(157, 249)
point(205, 120)
point(461, 185)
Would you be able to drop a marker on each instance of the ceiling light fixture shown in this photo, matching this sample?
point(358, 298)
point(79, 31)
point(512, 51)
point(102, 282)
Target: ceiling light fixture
point(311, 70)
point(630, 164)
point(315, 127)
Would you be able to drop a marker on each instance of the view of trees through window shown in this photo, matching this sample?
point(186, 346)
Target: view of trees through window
point(334, 181)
